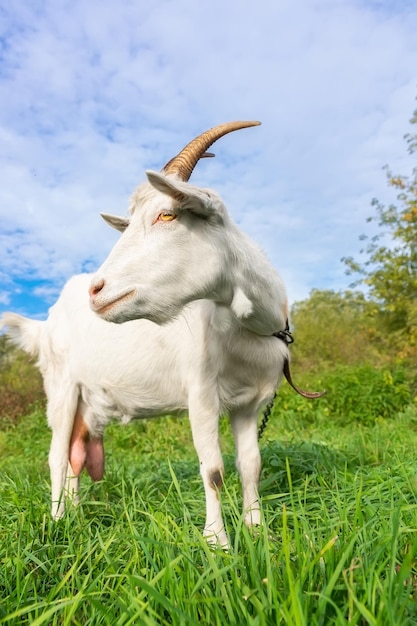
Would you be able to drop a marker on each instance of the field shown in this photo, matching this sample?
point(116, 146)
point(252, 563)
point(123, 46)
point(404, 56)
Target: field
point(338, 539)
point(338, 544)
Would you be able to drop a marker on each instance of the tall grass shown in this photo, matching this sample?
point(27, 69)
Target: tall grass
point(337, 545)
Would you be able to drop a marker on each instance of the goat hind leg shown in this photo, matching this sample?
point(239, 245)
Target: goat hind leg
point(60, 471)
point(62, 407)
point(65, 473)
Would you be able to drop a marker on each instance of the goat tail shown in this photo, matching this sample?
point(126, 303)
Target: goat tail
point(23, 332)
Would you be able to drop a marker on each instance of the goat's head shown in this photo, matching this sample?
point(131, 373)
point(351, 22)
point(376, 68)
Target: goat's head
point(174, 244)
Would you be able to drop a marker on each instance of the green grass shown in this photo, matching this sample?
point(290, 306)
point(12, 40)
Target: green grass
point(338, 544)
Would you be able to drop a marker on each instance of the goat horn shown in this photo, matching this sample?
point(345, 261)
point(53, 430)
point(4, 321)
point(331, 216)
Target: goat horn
point(186, 160)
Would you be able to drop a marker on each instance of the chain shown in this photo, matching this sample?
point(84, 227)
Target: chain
point(285, 336)
point(265, 417)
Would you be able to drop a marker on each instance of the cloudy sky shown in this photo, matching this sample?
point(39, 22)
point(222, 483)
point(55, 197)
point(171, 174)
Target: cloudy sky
point(93, 92)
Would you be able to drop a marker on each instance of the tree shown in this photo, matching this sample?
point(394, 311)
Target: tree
point(390, 271)
point(332, 328)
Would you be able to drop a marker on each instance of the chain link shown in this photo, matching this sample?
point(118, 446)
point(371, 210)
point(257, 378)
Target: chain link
point(285, 336)
point(266, 416)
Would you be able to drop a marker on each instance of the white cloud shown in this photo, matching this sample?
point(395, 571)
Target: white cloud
point(93, 93)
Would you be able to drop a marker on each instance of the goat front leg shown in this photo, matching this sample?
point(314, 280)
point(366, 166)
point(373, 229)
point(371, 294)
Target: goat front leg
point(248, 460)
point(205, 430)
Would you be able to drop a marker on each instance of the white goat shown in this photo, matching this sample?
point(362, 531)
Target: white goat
point(212, 303)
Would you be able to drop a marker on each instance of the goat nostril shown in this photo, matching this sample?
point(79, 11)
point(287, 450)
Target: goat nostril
point(96, 288)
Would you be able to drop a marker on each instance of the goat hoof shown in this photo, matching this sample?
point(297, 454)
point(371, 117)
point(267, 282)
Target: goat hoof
point(58, 514)
point(217, 540)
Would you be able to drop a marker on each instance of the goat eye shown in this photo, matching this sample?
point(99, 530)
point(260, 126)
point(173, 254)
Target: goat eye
point(166, 217)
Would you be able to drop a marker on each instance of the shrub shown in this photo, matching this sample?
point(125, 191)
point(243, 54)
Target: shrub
point(20, 383)
point(354, 394)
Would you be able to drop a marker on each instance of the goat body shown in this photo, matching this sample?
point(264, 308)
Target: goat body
point(199, 302)
point(95, 371)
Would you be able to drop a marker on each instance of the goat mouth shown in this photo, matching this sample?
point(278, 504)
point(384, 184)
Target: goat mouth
point(110, 305)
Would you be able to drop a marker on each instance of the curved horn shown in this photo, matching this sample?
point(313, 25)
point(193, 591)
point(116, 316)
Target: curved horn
point(186, 160)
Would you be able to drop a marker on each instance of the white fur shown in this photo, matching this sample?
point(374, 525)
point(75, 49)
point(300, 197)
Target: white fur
point(156, 268)
point(204, 302)
point(203, 361)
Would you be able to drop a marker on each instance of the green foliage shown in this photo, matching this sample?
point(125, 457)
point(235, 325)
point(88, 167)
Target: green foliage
point(390, 271)
point(20, 382)
point(337, 545)
point(361, 394)
point(334, 328)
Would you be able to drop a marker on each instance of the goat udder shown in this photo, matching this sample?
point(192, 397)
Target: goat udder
point(94, 463)
point(86, 451)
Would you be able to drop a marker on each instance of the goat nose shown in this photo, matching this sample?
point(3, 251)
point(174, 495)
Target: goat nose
point(96, 288)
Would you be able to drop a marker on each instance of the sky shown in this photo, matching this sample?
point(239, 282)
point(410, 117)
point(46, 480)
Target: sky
point(95, 92)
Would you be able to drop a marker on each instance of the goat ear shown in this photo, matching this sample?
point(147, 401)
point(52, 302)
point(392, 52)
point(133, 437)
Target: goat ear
point(195, 199)
point(119, 223)
point(176, 189)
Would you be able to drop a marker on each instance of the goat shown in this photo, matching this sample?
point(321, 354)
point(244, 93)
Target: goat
point(209, 303)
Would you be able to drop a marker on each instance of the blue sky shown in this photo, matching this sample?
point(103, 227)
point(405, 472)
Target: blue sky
point(93, 93)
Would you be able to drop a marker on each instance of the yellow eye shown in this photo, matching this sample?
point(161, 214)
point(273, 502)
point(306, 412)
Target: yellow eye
point(166, 217)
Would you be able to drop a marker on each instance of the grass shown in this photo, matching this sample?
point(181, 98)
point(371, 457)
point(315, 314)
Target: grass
point(338, 544)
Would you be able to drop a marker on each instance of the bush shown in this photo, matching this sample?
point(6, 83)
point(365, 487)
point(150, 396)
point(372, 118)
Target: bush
point(354, 394)
point(20, 383)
